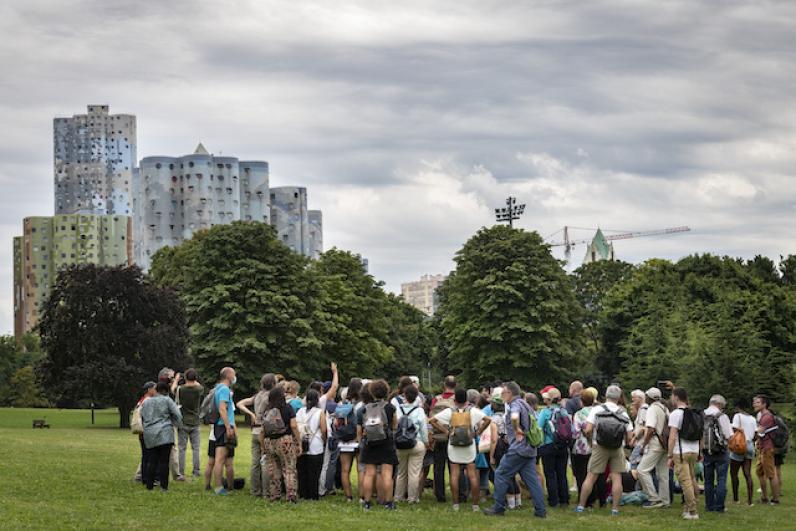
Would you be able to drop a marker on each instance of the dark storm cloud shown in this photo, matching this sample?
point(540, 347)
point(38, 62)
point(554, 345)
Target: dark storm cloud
point(410, 121)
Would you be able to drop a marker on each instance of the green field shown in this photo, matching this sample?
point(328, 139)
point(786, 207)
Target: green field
point(79, 476)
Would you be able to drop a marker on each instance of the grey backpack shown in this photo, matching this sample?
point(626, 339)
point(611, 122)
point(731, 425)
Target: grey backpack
point(374, 423)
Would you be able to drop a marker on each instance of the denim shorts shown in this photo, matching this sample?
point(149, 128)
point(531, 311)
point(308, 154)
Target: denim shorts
point(750, 453)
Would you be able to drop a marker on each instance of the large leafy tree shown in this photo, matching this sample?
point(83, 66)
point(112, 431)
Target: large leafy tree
point(248, 299)
point(105, 331)
point(509, 311)
point(712, 324)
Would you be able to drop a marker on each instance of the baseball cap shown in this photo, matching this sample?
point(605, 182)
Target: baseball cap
point(654, 393)
point(496, 395)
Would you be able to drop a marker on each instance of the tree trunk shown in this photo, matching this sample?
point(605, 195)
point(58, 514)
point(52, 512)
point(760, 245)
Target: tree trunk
point(124, 416)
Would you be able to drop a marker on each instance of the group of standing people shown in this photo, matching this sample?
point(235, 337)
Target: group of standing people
point(305, 448)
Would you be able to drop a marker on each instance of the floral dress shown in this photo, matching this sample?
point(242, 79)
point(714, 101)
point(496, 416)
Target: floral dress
point(582, 445)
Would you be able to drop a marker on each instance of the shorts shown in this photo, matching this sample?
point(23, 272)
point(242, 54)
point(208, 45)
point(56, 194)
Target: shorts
point(765, 463)
point(220, 434)
point(600, 457)
point(750, 453)
point(779, 459)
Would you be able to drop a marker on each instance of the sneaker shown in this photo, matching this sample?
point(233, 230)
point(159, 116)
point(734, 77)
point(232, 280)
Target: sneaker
point(774, 502)
point(614, 512)
point(579, 509)
point(455, 506)
point(476, 509)
point(349, 498)
point(490, 511)
point(390, 506)
point(179, 478)
point(652, 505)
point(366, 506)
point(222, 492)
point(691, 516)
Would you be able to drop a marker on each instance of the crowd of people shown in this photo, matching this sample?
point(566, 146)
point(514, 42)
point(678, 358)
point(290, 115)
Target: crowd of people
point(492, 441)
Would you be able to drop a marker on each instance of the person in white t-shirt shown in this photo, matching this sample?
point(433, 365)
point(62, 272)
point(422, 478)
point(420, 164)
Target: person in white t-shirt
point(743, 421)
point(462, 455)
point(683, 454)
point(311, 421)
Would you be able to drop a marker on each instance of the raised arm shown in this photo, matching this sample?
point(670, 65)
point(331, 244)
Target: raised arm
point(332, 392)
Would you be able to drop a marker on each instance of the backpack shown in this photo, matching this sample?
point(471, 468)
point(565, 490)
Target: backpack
point(440, 405)
point(611, 428)
point(374, 423)
point(712, 439)
point(560, 426)
point(781, 434)
point(461, 431)
point(344, 426)
point(737, 444)
point(406, 433)
point(306, 434)
point(208, 412)
point(274, 424)
point(693, 425)
point(137, 424)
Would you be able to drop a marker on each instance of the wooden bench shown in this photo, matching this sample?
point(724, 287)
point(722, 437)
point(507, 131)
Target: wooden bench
point(40, 423)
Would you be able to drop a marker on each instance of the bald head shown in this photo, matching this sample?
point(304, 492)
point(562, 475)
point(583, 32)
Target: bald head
point(227, 374)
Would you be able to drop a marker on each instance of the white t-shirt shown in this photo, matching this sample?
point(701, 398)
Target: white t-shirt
point(312, 421)
point(676, 421)
point(461, 455)
point(639, 422)
point(615, 408)
point(656, 419)
point(396, 402)
point(745, 423)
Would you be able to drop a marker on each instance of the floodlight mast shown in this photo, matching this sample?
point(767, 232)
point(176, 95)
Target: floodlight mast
point(510, 212)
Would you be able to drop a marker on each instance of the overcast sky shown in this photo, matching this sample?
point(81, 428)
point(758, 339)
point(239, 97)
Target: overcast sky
point(410, 121)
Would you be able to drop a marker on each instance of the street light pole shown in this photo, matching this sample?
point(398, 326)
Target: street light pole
point(510, 212)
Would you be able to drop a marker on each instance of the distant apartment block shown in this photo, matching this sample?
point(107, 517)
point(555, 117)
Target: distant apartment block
point(177, 196)
point(94, 162)
point(49, 244)
point(422, 293)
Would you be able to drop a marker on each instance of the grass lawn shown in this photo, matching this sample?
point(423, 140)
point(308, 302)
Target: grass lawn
point(75, 475)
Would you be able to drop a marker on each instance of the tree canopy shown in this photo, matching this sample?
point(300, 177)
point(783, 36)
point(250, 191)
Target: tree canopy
point(106, 331)
point(508, 311)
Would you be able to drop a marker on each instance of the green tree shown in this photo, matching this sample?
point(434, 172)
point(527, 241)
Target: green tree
point(24, 391)
point(105, 331)
point(509, 310)
point(248, 299)
point(15, 355)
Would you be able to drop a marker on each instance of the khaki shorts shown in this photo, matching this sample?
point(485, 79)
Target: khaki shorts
point(765, 463)
point(601, 456)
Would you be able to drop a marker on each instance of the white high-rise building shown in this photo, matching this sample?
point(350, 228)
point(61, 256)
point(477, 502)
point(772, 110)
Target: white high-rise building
point(94, 162)
point(422, 293)
point(315, 218)
point(177, 196)
point(290, 218)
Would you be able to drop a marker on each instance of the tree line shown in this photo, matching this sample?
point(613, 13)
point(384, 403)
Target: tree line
point(235, 295)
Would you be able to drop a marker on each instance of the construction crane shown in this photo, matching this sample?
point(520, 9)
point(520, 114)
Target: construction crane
point(568, 243)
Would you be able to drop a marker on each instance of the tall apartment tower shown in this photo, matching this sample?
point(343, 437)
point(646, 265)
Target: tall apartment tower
point(177, 196)
point(290, 218)
point(94, 162)
point(422, 293)
point(49, 244)
point(315, 218)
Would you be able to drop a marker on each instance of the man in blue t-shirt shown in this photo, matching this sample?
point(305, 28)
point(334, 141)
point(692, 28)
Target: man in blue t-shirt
point(225, 435)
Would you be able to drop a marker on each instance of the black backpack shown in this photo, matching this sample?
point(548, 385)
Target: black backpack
point(611, 428)
point(406, 433)
point(781, 434)
point(713, 440)
point(693, 426)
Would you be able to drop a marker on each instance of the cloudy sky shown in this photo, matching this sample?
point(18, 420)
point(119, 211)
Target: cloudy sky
point(410, 121)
